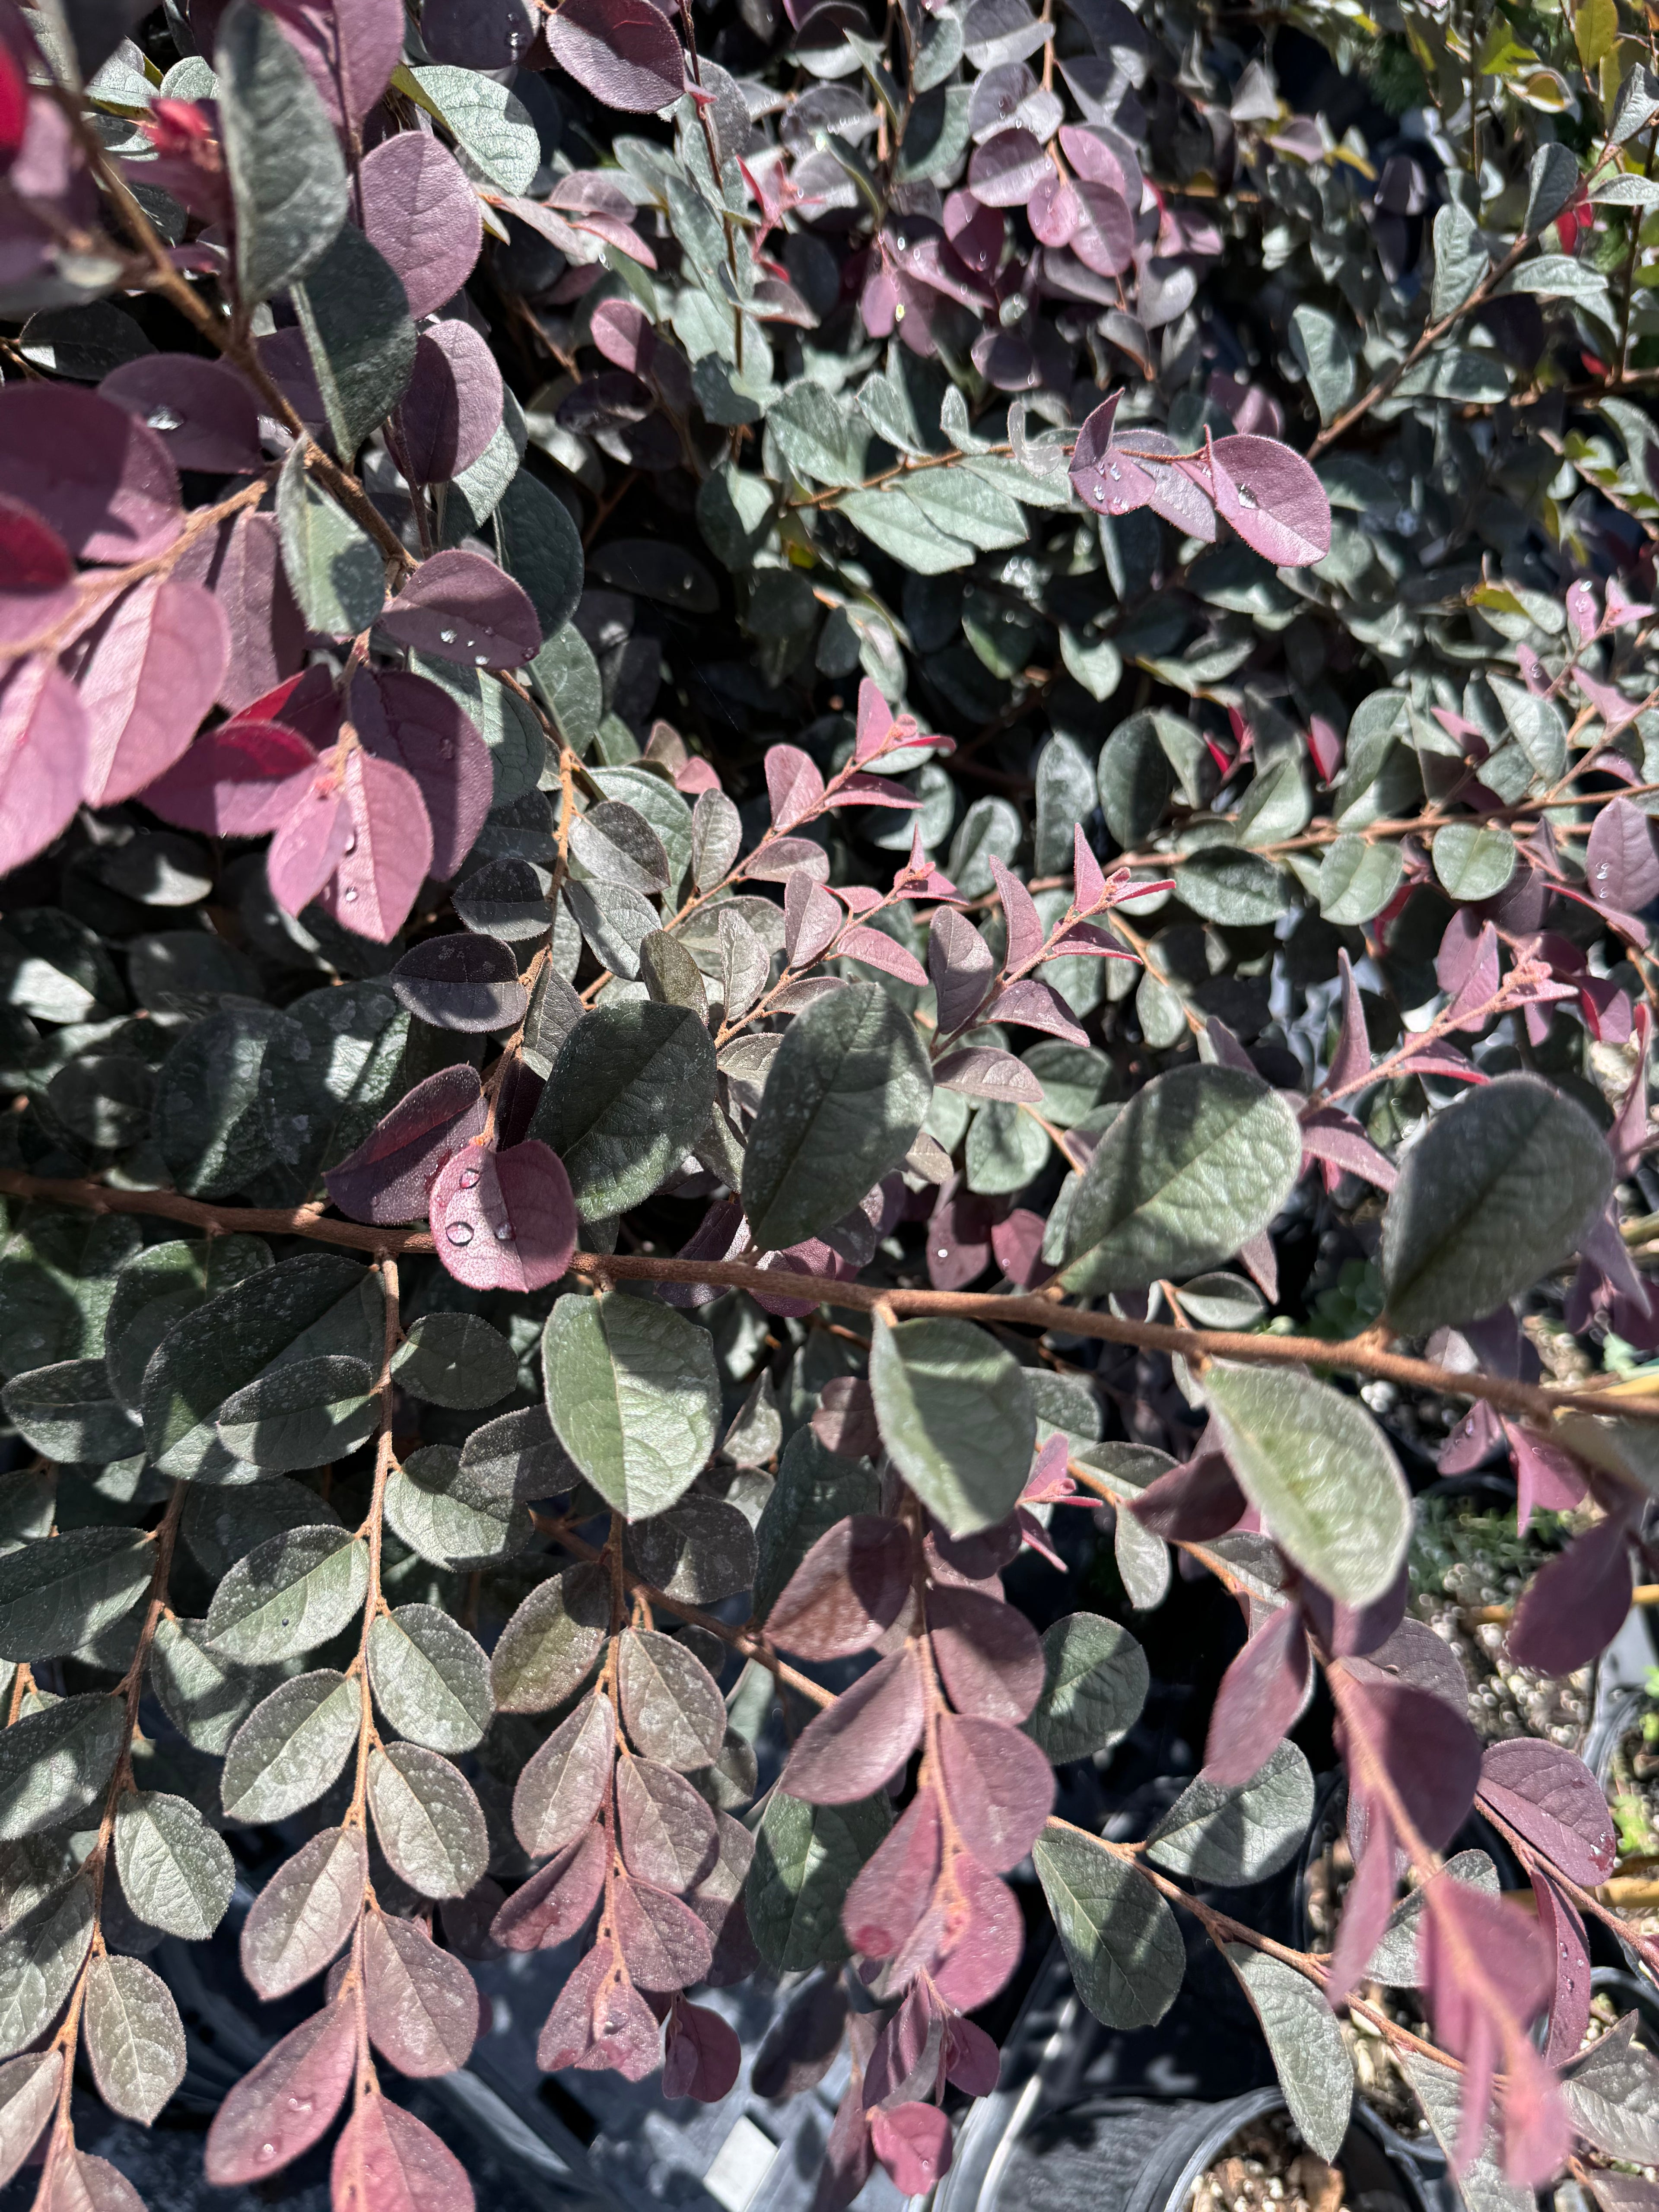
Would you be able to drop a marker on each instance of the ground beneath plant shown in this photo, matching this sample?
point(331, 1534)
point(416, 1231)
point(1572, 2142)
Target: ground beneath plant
point(1268, 2164)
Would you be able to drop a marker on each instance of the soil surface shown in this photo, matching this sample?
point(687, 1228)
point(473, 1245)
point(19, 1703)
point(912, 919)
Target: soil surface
point(1267, 2165)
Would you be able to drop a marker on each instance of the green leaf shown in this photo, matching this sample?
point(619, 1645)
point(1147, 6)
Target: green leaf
point(541, 547)
point(1120, 1939)
point(291, 1746)
point(206, 1697)
point(805, 1858)
point(456, 1359)
point(1473, 861)
point(1325, 348)
point(177, 1873)
point(552, 1643)
point(1496, 1193)
point(567, 676)
point(1356, 880)
point(1460, 260)
point(355, 313)
point(322, 1096)
point(819, 437)
point(1143, 1563)
point(454, 1513)
point(1137, 777)
point(1320, 1470)
point(956, 1415)
point(846, 1091)
point(209, 1126)
point(306, 1911)
point(28, 2097)
point(336, 572)
point(55, 1763)
point(1095, 1683)
point(303, 1414)
point(59, 1593)
point(281, 150)
point(40, 1960)
point(1225, 884)
point(634, 1393)
point(963, 506)
point(1482, 2183)
point(430, 1678)
point(290, 1594)
point(159, 1287)
point(67, 1412)
point(1310, 2056)
point(1231, 1837)
point(628, 1095)
point(429, 1824)
point(1197, 1164)
point(319, 1302)
point(892, 520)
point(58, 1276)
point(490, 126)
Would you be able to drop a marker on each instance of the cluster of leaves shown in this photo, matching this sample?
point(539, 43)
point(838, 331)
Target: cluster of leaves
point(498, 1179)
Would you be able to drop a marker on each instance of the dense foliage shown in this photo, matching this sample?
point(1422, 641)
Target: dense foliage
point(499, 1179)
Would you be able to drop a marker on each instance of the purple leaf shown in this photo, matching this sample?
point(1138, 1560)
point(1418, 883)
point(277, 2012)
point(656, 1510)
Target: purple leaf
point(998, 1786)
point(102, 480)
point(44, 746)
point(1329, 1133)
point(1431, 1753)
point(563, 1783)
point(874, 950)
point(891, 1890)
point(1007, 169)
point(421, 214)
point(988, 1657)
point(600, 2021)
point(848, 1750)
point(388, 852)
point(1271, 496)
point(665, 1947)
point(477, 34)
point(1174, 495)
point(1621, 867)
point(668, 1834)
point(388, 1177)
point(37, 576)
point(310, 841)
point(1546, 1479)
point(959, 1238)
point(554, 1903)
point(460, 606)
point(1365, 1909)
point(238, 781)
point(625, 334)
point(411, 721)
point(504, 1221)
point(1190, 1505)
point(812, 920)
point(847, 1592)
point(1550, 1796)
point(202, 412)
point(794, 784)
point(1104, 241)
point(452, 407)
point(1031, 1004)
point(1017, 1243)
point(976, 232)
point(1576, 1604)
point(1025, 931)
point(1351, 1061)
point(969, 1944)
point(623, 51)
point(704, 2057)
point(1054, 211)
point(146, 675)
point(845, 1422)
point(288, 2100)
point(1414, 1655)
point(986, 1072)
point(240, 563)
point(960, 964)
point(349, 48)
point(1563, 1932)
point(780, 858)
point(1261, 1695)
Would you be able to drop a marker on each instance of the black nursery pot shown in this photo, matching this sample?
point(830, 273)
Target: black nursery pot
point(1145, 2154)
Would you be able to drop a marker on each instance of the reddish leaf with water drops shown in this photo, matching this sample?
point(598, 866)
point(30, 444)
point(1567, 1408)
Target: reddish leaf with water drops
point(912, 2142)
point(310, 840)
point(389, 1177)
point(203, 413)
point(1550, 1796)
point(1569, 2005)
point(415, 723)
point(1271, 496)
point(462, 607)
point(504, 1221)
point(1546, 1479)
point(287, 2102)
point(386, 2160)
point(387, 851)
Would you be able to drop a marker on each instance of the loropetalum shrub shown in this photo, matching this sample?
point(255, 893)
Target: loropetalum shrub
point(504, 1249)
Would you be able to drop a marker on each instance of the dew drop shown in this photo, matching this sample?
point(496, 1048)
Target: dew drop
point(902, 242)
point(447, 637)
point(1247, 497)
point(941, 1251)
point(164, 418)
point(505, 1233)
point(350, 845)
point(898, 312)
point(351, 897)
point(469, 1179)
point(1100, 494)
point(267, 2151)
point(1118, 505)
point(458, 1232)
point(481, 660)
point(446, 749)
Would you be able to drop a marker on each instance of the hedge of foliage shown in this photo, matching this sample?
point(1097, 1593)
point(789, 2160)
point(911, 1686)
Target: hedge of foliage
point(783, 795)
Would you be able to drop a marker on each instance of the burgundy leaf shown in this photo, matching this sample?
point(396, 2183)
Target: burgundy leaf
point(972, 2061)
point(624, 334)
point(1329, 1133)
point(388, 853)
point(1007, 169)
point(1262, 1696)
point(1576, 1604)
point(1430, 1752)
point(985, 1072)
point(848, 1750)
point(1563, 1932)
point(600, 2021)
point(905, 2064)
point(36, 574)
point(623, 51)
point(1355, 1631)
point(848, 1590)
point(1054, 211)
point(1105, 240)
point(969, 1944)
point(103, 481)
point(976, 233)
point(310, 840)
point(238, 781)
point(459, 606)
point(1271, 496)
point(1025, 931)
point(203, 413)
point(1191, 1504)
point(349, 52)
point(44, 746)
point(452, 407)
point(1017, 1243)
point(988, 1655)
point(812, 920)
point(998, 1786)
point(1414, 1655)
point(965, 1561)
point(388, 1177)
point(780, 858)
point(1479, 1957)
point(669, 1836)
point(386, 2160)
point(1550, 1796)
point(874, 950)
point(504, 1221)
point(891, 1890)
point(665, 1947)
point(873, 791)
point(148, 672)
point(849, 2160)
point(1546, 1479)
point(563, 1783)
point(1031, 1004)
point(704, 2057)
point(415, 723)
point(1621, 866)
point(961, 966)
point(287, 2102)
point(912, 2142)
point(1365, 1909)
point(795, 788)
point(240, 563)
point(421, 214)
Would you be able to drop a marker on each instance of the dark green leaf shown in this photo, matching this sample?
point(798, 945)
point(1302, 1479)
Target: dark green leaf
point(59, 1593)
point(1122, 1942)
point(634, 1394)
point(291, 1746)
point(1310, 2056)
point(1095, 1685)
point(805, 1857)
point(290, 1594)
point(301, 1414)
point(628, 1096)
point(54, 1763)
point(1231, 1837)
point(285, 161)
point(67, 1412)
point(957, 1417)
point(456, 1359)
point(355, 313)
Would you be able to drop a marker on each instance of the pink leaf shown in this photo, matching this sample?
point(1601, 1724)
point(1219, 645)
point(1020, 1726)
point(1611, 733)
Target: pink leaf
point(794, 784)
point(36, 574)
point(388, 853)
point(959, 1238)
point(623, 51)
point(44, 746)
point(1026, 934)
point(1329, 1133)
point(988, 1655)
point(976, 231)
point(386, 2160)
point(624, 334)
point(874, 950)
point(504, 1221)
point(1621, 866)
point(310, 841)
point(451, 408)
point(1365, 1909)
point(986, 1071)
point(203, 413)
point(1017, 1243)
point(423, 215)
point(1031, 1004)
point(462, 607)
point(1351, 1063)
point(847, 1592)
point(1054, 211)
point(389, 1177)
point(148, 672)
point(1007, 169)
point(891, 1890)
point(859, 790)
point(240, 563)
point(414, 722)
point(961, 966)
point(288, 2100)
point(1576, 1604)
point(1272, 498)
point(1104, 241)
point(998, 1786)
point(600, 2021)
point(1553, 1799)
point(102, 480)
point(238, 781)
point(349, 51)
point(1546, 1479)
point(554, 1903)
point(811, 919)
point(1261, 1695)
point(912, 2142)
point(848, 1750)
point(704, 2057)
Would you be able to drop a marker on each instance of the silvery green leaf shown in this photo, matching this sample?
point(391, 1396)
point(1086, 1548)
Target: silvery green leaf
point(1310, 2056)
point(135, 2037)
point(290, 1594)
point(805, 1857)
point(1095, 1684)
point(955, 1417)
point(632, 1392)
point(428, 1820)
point(455, 1360)
point(1120, 1939)
point(206, 1697)
point(40, 1960)
point(291, 1746)
point(453, 1514)
point(303, 1414)
point(68, 1412)
point(60, 1592)
point(283, 158)
point(176, 1872)
point(1234, 1836)
point(54, 1763)
point(430, 1678)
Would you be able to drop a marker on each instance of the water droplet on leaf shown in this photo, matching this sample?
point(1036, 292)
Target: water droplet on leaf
point(458, 1232)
